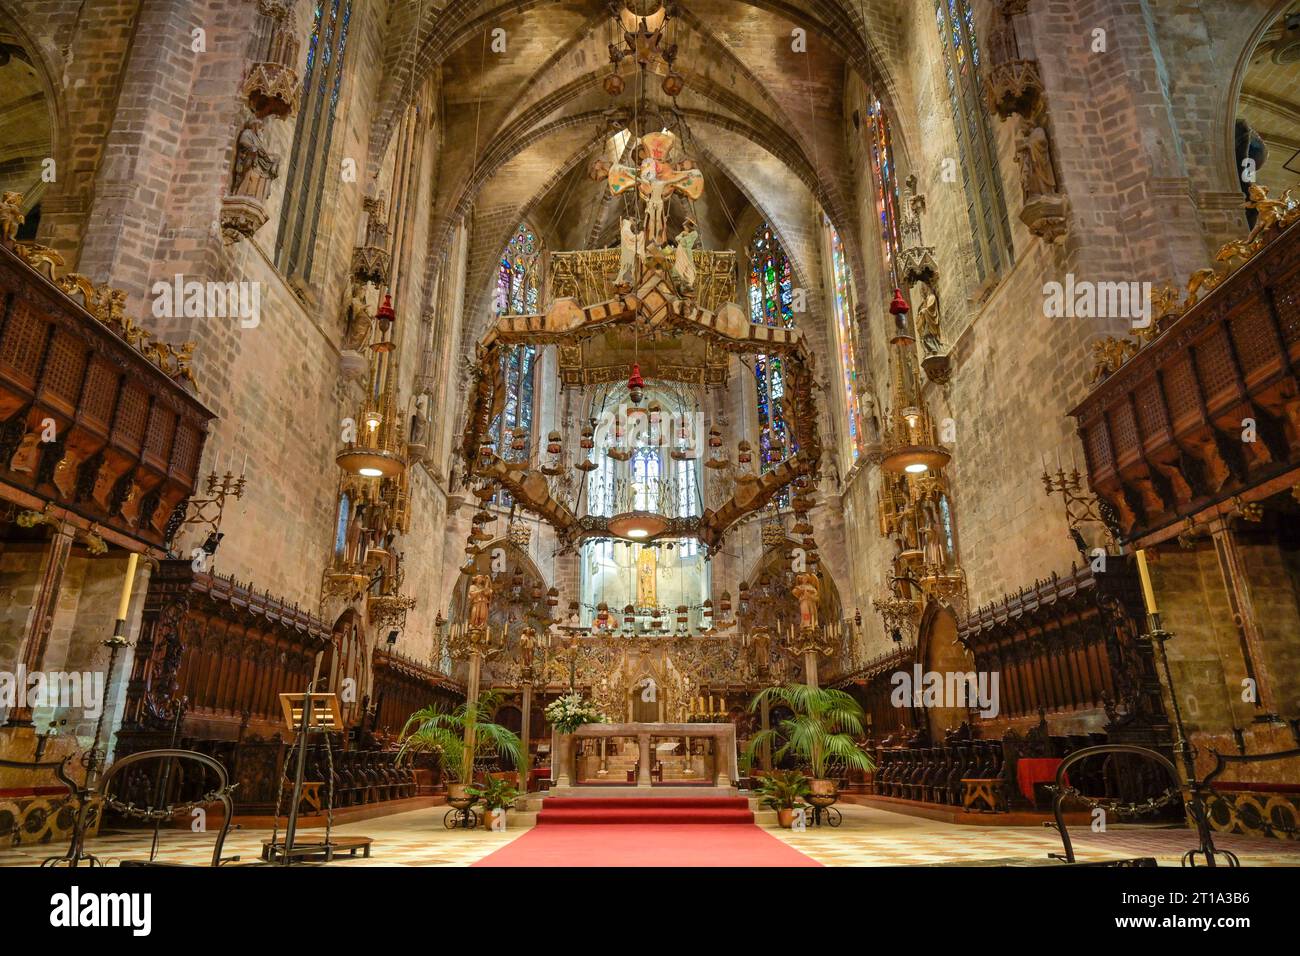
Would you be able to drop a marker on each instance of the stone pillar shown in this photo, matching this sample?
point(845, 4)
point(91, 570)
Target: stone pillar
point(133, 183)
point(562, 769)
point(471, 698)
point(1243, 613)
point(724, 758)
point(643, 771)
point(32, 656)
point(810, 667)
point(526, 764)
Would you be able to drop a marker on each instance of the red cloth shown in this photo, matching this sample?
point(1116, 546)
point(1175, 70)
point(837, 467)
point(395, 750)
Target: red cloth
point(647, 844)
point(1032, 770)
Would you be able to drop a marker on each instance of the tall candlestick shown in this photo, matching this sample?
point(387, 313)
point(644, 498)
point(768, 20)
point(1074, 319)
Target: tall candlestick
point(1148, 595)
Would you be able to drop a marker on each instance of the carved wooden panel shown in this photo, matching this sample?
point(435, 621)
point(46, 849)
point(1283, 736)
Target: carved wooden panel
point(1163, 434)
point(125, 430)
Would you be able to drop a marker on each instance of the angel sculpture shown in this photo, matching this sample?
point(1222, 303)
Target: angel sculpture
point(1270, 211)
point(11, 216)
point(659, 176)
point(632, 248)
point(683, 264)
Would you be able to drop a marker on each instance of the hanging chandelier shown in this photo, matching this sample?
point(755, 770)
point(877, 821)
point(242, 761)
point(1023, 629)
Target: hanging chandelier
point(910, 442)
point(378, 449)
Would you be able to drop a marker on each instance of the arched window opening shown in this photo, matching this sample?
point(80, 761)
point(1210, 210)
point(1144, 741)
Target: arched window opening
point(986, 207)
point(887, 202)
point(844, 335)
point(771, 303)
point(1267, 119)
point(517, 294)
point(309, 163)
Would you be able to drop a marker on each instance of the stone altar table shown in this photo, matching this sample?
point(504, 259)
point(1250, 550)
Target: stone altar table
point(726, 766)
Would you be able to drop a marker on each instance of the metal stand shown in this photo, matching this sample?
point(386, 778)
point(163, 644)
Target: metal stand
point(1183, 749)
point(92, 760)
point(163, 777)
point(308, 723)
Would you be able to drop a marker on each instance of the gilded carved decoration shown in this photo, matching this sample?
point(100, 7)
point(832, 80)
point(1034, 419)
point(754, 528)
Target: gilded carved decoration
point(1275, 217)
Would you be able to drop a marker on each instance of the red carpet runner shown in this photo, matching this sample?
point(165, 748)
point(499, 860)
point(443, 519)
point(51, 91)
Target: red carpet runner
point(650, 831)
point(696, 810)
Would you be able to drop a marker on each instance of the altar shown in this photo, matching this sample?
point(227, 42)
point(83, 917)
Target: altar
point(726, 767)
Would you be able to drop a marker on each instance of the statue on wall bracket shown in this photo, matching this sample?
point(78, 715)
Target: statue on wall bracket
point(243, 210)
point(921, 269)
point(1015, 89)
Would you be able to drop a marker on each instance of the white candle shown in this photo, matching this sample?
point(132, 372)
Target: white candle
point(1148, 595)
point(127, 582)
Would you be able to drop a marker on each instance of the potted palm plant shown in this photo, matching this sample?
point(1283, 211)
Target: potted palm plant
point(442, 732)
point(822, 731)
point(782, 791)
point(497, 795)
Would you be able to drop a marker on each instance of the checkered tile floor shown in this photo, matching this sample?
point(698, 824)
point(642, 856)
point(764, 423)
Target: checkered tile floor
point(867, 837)
point(873, 837)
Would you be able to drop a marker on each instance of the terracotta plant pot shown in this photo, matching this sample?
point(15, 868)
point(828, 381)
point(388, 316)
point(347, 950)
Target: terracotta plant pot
point(785, 816)
point(486, 816)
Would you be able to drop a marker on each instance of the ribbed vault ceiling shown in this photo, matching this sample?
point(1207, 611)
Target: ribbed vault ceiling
point(765, 123)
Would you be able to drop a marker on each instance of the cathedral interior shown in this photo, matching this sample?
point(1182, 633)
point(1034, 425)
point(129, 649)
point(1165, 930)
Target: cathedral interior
point(822, 433)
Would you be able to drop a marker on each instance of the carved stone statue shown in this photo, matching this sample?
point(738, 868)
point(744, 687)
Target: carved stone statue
point(480, 599)
point(528, 644)
point(759, 652)
point(1034, 154)
point(913, 206)
point(870, 420)
point(806, 591)
point(255, 167)
point(419, 420)
point(352, 537)
point(927, 322)
point(358, 318)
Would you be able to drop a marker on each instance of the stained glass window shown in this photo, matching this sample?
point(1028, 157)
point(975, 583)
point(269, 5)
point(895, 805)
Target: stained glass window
point(887, 203)
point(516, 294)
point(844, 335)
point(645, 479)
point(771, 303)
point(341, 530)
point(771, 291)
point(309, 163)
point(517, 274)
point(986, 207)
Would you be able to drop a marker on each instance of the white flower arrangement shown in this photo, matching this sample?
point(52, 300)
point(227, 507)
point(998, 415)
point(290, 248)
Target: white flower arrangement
point(566, 714)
